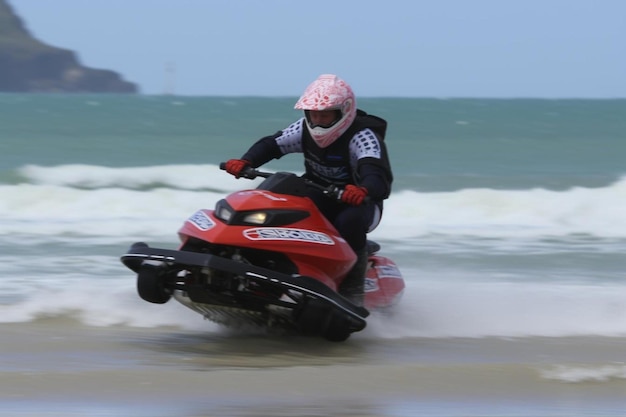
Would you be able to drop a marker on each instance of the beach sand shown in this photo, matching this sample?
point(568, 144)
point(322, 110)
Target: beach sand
point(58, 367)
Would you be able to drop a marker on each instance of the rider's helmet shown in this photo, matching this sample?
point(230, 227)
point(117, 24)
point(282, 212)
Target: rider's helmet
point(328, 92)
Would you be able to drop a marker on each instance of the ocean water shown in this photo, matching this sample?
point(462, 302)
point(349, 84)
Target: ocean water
point(506, 220)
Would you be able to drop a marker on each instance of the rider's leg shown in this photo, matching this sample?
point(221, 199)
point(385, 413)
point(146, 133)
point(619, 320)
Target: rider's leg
point(353, 223)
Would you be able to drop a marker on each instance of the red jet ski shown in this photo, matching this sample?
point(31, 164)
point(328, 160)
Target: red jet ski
point(266, 257)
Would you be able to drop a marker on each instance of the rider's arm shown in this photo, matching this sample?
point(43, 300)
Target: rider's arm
point(375, 179)
point(372, 164)
point(275, 146)
point(263, 150)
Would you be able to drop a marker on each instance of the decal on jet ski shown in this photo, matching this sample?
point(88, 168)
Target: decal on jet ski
point(371, 285)
point(201, 220)
point(300, 235)
point(388, 271)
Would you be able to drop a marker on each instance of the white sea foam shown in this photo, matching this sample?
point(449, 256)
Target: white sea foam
point(502, 213)
point(98, 201)
point(436, 307)
point(445, 306)
point(185, 177)
point(575, 374)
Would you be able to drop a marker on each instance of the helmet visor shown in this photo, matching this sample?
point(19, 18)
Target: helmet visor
point(322, 118)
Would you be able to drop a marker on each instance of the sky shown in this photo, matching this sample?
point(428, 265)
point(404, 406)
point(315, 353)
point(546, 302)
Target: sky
point(383, 48)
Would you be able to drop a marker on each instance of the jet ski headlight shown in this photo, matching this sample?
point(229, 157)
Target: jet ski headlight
point(223, 211)
point(261, 216)
point(224, 214)
point(258, 217)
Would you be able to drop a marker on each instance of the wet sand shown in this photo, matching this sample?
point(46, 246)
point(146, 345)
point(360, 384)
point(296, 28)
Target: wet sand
point(55, 367)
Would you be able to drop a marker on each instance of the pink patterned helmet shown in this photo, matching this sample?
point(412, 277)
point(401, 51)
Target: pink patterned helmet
point(328, 92)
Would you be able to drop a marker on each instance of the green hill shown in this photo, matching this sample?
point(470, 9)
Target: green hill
point(29, 65)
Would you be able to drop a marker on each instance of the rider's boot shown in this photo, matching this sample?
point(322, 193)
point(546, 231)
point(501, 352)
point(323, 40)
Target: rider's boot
point(353, 285)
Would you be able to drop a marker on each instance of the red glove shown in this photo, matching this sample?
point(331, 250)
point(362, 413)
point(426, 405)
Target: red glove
point(235, 166)
point(353, 195)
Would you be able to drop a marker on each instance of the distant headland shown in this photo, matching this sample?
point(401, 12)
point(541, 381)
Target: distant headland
point(29, 65)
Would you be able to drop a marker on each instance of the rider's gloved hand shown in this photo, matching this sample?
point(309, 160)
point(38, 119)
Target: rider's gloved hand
point(235, 166)
point(353, 194)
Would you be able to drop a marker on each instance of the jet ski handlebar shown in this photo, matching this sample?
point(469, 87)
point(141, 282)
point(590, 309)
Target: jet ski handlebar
point(332, 191)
